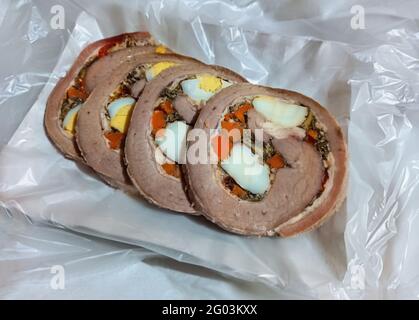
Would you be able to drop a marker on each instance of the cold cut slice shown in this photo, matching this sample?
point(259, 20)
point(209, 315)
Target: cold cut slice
point(306, 173)
point(94, 64)
point(102, 121)
point(153, 169)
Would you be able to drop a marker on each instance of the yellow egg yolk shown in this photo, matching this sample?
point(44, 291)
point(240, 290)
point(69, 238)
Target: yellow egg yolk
point(120, 121)
point(160, 66)
point(70, 124)
point(209, 83)
point(161, 49)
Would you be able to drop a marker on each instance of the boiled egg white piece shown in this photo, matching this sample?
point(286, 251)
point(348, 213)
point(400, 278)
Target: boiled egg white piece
point(246, 169)
point(70, 119)
point(172, 141)
point(120, 113)
point(203, 87)
point(285, 115)
point(156, 68)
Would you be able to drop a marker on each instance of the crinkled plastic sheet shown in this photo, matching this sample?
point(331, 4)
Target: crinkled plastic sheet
point(101, 269)
point(369, 249)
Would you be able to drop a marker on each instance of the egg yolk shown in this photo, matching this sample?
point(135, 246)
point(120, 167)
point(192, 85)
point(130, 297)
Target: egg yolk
point(121, 120)
point(161, 49)
point(160, 66)
point(209, 83)
point(70, 124)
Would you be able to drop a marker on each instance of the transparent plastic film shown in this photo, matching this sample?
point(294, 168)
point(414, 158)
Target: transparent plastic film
point(368, 249)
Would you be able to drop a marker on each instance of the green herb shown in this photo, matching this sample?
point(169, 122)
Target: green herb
point(174, 116)
point(171, 93)
point(268, 150)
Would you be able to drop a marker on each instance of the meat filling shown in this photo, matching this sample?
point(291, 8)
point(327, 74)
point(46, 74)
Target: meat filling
point(78, 92)
point(278, 146)
point(122, 100)
point(176, 109)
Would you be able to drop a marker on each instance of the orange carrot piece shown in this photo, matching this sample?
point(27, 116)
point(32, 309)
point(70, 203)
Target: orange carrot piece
point(242, 110)
point(73, 92)
point(167, 106)
point(227, 125)
point(276, 162)
point(312, 133)
point(238, 191)
point(222, 146)
point(115, 139)
point(171, 169)
point(158, 120)
point(234, 130)
point(229, 116)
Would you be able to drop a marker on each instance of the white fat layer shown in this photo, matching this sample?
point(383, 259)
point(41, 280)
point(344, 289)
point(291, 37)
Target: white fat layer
point(191, 88)
point(172, 141)
point(279, 132)
point(247, 169)
point(285, 115)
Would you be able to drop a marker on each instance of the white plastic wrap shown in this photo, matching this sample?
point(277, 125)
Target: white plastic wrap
point(369, 249)
point(102, 269)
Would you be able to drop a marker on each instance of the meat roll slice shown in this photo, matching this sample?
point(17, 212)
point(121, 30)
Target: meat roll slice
point(103, 121)
point(94, 64)
point(279, 162)
point(155, 143)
